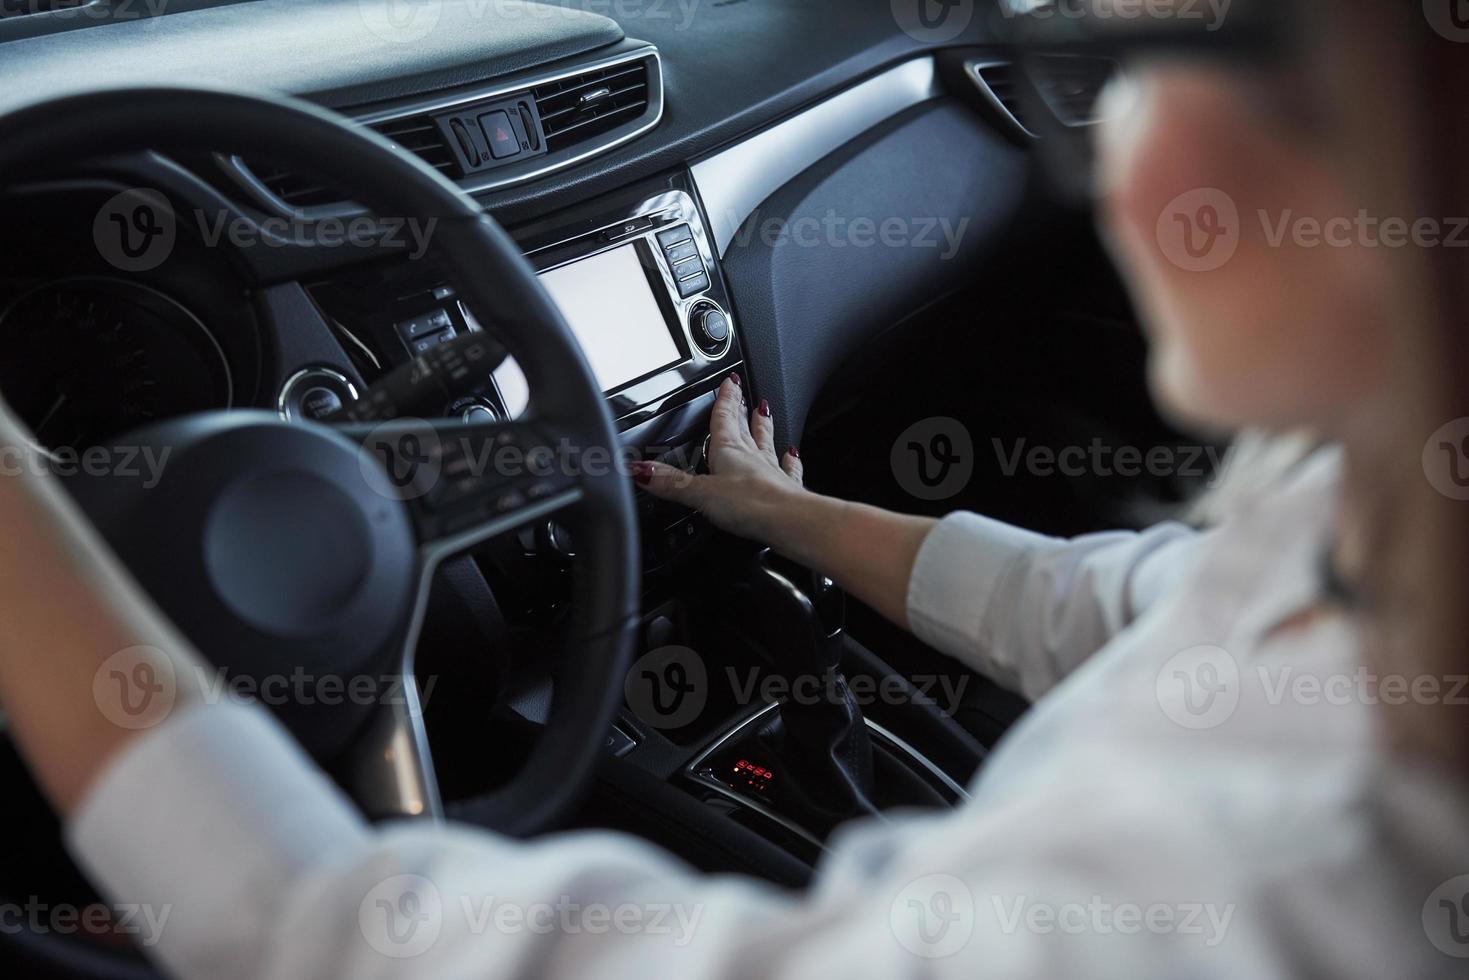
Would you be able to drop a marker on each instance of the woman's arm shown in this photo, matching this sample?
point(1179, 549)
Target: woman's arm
point(66, 609)
point(759, 494)
point(1022, 608)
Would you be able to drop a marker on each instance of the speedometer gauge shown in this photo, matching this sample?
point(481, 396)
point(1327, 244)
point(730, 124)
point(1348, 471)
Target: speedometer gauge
point(85, 359)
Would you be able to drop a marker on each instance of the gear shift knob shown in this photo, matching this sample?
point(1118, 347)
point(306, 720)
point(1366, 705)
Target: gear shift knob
point(824, 739)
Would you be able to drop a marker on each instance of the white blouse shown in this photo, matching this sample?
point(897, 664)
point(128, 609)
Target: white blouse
point(1195, 794)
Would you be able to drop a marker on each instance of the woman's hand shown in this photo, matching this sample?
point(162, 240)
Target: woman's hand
point(749, 486)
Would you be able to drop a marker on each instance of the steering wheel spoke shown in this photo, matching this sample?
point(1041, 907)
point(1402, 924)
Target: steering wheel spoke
point(463, 483)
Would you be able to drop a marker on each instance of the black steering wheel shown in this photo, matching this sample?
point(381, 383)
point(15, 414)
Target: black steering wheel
point(280, 547)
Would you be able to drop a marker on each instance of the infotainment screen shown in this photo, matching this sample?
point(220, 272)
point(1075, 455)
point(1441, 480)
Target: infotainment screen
point(610, 306)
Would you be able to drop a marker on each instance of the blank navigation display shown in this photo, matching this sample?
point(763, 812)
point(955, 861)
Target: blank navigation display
point(610, 306)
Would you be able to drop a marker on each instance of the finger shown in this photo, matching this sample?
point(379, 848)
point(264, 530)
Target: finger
point(727, 421)
point(669, 483)
point(792, 465)
point(762, 428)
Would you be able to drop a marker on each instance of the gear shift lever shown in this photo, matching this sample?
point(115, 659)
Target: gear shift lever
point(822, 739)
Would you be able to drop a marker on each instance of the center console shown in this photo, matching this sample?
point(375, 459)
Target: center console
point(635, 276)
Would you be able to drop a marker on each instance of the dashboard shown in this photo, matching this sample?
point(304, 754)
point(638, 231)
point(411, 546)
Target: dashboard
point(640, 159)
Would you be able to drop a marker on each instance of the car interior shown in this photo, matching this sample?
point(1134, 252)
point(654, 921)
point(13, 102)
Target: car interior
point(251, 235)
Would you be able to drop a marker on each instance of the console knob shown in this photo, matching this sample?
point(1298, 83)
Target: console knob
point(711, 328)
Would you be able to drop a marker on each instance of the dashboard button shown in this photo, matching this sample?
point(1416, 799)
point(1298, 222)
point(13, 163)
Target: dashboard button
point(318, 403)
point(673, 236)
point(314, 394)
point(683, 250)
point(500, 133)
point(423, 325)
point(696, 284)
point(430, 341)
point(687, 268)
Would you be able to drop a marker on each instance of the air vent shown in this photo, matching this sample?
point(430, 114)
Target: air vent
point(558, 122)
point(416, 134)
point(1001, 81)
point(419, 136)
point(584, 106)
point(1071, 85)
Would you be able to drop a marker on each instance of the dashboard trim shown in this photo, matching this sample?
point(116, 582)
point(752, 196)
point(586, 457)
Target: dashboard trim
point(650, 119)
point(734, 182)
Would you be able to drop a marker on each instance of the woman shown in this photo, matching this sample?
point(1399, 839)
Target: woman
point(1177, 803)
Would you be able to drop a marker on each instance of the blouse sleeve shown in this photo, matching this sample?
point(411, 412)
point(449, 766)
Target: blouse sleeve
point(1025, 609)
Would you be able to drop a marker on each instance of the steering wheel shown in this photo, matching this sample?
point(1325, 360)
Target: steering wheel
point(298, 547)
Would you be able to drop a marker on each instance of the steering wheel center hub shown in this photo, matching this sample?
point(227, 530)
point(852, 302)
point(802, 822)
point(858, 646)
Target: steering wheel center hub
point(287, 551)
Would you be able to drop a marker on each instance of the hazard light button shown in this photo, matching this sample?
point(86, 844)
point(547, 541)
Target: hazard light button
point(500, 134)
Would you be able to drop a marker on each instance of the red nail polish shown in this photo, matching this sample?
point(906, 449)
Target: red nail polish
point(765, 408)
point(642, 474)
point(794, 452)
point(735, 378)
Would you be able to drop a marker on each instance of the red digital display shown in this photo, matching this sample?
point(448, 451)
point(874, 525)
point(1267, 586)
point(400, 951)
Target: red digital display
point(751, 775)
